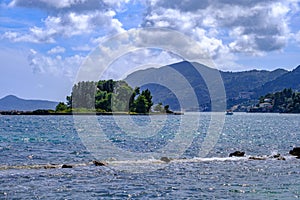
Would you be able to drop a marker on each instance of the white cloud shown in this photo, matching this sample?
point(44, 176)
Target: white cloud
point(296, 36)
point(54, 5)
point(70, 5)
point(82, 48)
point(227, 27)
point(68, 25)
point(54, 65)
point(69, 18)
point(35, 35)
point(138, 60)
point(56, 50)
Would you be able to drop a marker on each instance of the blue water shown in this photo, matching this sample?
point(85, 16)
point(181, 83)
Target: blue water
point(27, 143)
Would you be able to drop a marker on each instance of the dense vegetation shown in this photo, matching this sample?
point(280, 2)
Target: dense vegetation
point(108, 96)
point(285, 101)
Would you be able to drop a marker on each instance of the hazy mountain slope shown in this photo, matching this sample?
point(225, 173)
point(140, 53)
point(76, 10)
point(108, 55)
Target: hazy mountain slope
point(234, 82)
point(288, 80)
point(14, 103)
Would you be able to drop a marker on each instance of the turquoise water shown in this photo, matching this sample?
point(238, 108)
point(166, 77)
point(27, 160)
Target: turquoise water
point(27, 143)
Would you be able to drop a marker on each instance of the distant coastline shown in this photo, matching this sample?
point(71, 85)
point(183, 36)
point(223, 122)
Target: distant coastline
point(52, 112)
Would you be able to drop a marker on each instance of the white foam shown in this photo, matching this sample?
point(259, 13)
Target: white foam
point(190, 160)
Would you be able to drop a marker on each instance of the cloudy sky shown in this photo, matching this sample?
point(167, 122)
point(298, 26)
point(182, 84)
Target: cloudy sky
point(44, 42)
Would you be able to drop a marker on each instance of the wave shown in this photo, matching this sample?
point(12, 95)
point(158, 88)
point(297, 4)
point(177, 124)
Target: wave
point(165, 160)
point(162, 160)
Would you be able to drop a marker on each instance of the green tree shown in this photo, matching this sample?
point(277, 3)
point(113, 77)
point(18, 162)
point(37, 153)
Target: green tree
point(167, 109)
point(61, 107)
point(108, 96)
point(121, 97)
point(83, 95)
point(136, 92)
point(69, 101)
point(158, 108)
point(141, 104)
point(147, 94)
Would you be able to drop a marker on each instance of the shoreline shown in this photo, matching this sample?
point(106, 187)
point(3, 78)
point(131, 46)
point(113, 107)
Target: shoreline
point(81, 113)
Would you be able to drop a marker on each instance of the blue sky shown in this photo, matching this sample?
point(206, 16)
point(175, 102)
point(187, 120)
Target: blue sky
point(43, 42)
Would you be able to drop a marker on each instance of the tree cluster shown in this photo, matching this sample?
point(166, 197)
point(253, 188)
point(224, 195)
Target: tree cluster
point(285, 101)
point(107, 96)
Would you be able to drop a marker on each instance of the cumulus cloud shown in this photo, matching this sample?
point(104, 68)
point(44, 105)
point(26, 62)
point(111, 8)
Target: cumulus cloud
point(297, 36)
point(35, 35)
point(224, 27)
point(54, 65)
point(138, 60)
point(55, 5)
point(56, 50)
point(69, 18)
point(82, 48)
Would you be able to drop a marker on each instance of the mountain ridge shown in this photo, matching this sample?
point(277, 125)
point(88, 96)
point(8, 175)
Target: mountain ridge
point(12, 102)
point(235, 83)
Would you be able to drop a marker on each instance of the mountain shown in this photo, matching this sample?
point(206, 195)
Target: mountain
point(287, 80)
point(184, 76)
point(12, 102)
point(248, 81)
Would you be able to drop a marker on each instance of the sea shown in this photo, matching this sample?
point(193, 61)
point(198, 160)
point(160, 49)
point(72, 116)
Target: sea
point(150, 157)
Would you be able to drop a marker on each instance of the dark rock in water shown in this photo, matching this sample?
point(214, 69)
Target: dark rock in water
point(99, 163)
point(278, 156)
point(275, 156)
point(66, 166)
point(281, 158)
point(295, 151)
point(298, 157)
point(165, 159)
point(237, 154)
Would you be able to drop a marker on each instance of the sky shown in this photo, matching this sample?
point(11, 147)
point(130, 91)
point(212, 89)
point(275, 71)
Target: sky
point(45, 42)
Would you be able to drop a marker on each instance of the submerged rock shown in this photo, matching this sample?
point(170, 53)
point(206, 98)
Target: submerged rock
point(275, 156)
point(99, 163)
point(257, 158)
point(281, 158)
point(51, 166)
point(165, 159)
point(237, 154)
point(278, 156)
point(295, 151)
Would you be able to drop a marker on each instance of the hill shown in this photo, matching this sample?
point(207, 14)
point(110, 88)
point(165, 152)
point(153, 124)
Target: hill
point(235, 83)
point(12, 102)
point(287, 80)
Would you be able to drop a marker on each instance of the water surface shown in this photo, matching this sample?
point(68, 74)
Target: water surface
point(27, 141)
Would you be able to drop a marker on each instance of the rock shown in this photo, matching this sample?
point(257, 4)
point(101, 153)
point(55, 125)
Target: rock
point(281, 158)
point(165, 159)
point(66, 166)
point(295, 151)
point(237, 154)
point(99, 163)
point(275, 156)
